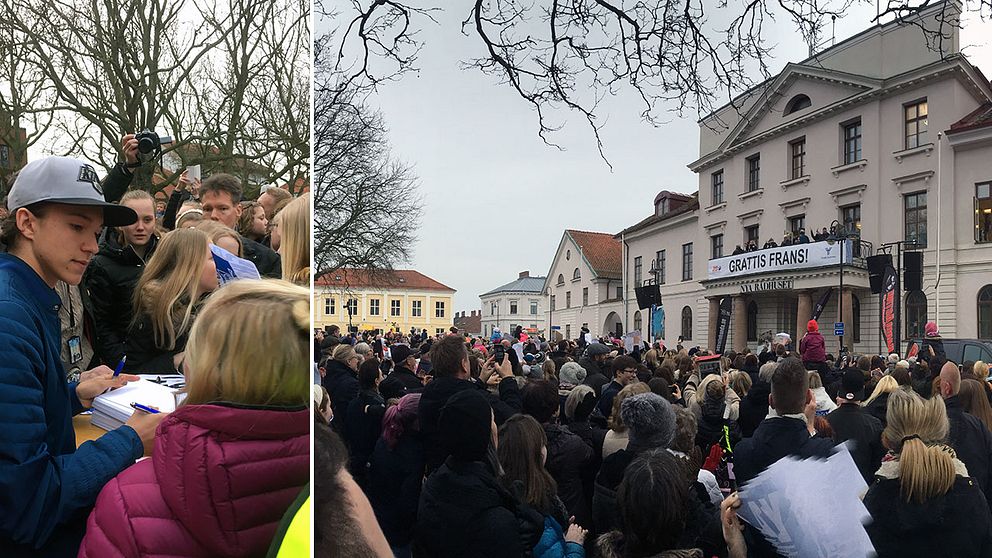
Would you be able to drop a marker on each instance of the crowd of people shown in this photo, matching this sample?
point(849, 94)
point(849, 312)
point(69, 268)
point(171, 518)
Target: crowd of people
point(790, 238)
point(99, 287)
point(452, 446)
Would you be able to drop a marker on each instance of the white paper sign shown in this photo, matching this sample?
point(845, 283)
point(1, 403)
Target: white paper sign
point(193, 172)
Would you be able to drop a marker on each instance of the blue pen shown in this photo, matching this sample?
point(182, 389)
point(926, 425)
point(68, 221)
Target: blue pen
point(120, 366)
point(141, 407)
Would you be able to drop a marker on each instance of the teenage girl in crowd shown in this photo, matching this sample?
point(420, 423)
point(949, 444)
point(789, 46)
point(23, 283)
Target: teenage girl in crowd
point(232, 458)
point(177, 278)
point(294, 249)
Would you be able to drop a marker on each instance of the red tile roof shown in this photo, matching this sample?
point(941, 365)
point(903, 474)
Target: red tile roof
point(395, 279)
point(602, 250)
point(978, 118)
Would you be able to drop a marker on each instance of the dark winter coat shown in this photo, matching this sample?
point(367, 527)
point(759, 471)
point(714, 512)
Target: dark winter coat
point(878, 407)
point(956, 524)
point(465, 512)
point(341, 384)
point(852, 422)
point(774, 439)
point(605, 403)
point(363, 425)
point(710, 427)
point(973, 443)
point(590, 434)
point(265, 259)
point(595, 377)
point(400, 382)
point(753, 407)
point(570, 461)
point(813, 348)
point(144, 356)
point(395, 479)
point(436, 394)
point(939, 357)
point(110, 280)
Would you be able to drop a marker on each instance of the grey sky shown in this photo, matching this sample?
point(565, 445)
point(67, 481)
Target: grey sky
point(497, 199)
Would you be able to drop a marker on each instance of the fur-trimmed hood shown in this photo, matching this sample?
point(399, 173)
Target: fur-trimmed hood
point(892, 469)
point(610, 545)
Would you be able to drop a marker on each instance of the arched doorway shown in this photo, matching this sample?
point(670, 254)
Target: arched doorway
point(637, 321)
point(613, 325)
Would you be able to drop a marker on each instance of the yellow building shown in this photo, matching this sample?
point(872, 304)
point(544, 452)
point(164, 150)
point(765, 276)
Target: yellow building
point(393, 300)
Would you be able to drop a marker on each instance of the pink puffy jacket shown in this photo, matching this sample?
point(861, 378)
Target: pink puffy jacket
point(217, 484)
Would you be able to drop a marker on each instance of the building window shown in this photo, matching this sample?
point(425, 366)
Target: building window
point(416, 309)
point(717, 179)
point(352, 306)
point(585, 296)
point(328, 306)
point(687, 324)
point(619, 293)
point(983, 212)
point(439, 331)
point(513, 307)
point(552, 303)
point(637, 320)
point(561, 279)
point(576, 275)
point(716, 246)
point(753, 173)
point(797, 152)
point(394, 308)
point(494, 308)
point(916, 219)
point(568, 299)
point(916, 313)
point(751, 235)
point(638, 276)
point(916, 124)
point(659, 265)
point(797, 103)
point(850, 217)
point(856, 316)
point(985, 312)
point(797, 224)
point(852, 142)
point(568, 331)
point(687, 262)
point(374, 307)
point(752, 321)
point(533, 308)
point(439, 309)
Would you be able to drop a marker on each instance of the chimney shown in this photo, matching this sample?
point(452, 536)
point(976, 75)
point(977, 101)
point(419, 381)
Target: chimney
point(524, 274)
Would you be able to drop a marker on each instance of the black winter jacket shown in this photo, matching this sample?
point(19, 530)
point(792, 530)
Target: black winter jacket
point(144, 356)
point(341, 384)
point(110, 280)
point(710, 429)
point(363, 425)
point(400, 382)
point(595, 378)
point(852, 422)
point(774, 439)
point(464, 512)
point(395, 478)
point(754, 407)
point(570, 461)
point(436, 394)
point(973, 443)
point(878, 407)
point(956, 524)
point(268, 262)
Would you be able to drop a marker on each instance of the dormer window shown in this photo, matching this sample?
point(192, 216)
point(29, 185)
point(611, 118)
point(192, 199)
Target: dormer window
point(662, 207)
point(799, 102)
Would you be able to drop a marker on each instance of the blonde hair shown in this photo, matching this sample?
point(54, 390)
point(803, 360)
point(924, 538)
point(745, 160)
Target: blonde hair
point(135, 195)
point(169, 286)
point(343, 353)
point(981, 370)
point(251, 345)
point(216, 231)
point(887, 384)
point(814, 380)
point(615, 422)
point(740, 382)
point(917, 430)
point(294, 222)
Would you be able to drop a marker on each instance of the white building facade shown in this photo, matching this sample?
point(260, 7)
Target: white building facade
point(584, 286)
point(878, 136)
point(521, 302)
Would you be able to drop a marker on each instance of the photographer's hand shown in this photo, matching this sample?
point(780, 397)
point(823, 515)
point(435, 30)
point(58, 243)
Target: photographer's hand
point(184, 182)
point(129, 146)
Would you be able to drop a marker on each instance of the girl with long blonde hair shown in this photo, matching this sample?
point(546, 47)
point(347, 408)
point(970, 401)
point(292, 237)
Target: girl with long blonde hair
point(177, 278)
point(294, 248)
point(923, 502)
point(236, 452)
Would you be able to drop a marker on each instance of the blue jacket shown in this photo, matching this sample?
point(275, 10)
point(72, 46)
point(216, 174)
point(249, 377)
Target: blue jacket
point(553, 544)
point(47, 486)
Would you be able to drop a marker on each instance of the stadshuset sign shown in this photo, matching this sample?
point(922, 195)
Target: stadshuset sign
point(815, 254)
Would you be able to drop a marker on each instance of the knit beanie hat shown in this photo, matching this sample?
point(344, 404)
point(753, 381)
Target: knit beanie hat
point(465, 425)
point(572, 373)
point(812, 326)
point(650, 419)
point(931, 329)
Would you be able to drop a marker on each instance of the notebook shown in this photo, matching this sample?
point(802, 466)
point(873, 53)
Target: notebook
point(112, 409)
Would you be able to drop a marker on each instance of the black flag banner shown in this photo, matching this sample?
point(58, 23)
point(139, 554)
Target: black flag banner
point(821, 304)
point(889, 307)
point(723, 324)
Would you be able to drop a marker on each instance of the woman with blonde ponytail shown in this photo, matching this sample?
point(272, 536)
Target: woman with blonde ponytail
point(923, 503)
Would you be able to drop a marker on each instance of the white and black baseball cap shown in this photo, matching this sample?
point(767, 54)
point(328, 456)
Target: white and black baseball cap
point(69, 181)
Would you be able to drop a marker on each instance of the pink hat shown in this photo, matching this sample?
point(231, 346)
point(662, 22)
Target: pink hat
point(931, 329)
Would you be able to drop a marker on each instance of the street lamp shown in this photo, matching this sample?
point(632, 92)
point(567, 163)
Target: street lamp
point(841, 234)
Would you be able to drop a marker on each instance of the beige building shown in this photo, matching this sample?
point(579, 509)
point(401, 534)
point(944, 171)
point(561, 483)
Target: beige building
point(392, 301)
point(584, 286)
point(878, 135)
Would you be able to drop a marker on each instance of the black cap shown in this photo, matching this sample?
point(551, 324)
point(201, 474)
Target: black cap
point(852, 385)
point(400, 353)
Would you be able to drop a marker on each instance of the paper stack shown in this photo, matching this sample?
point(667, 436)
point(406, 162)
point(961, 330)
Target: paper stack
point(112, 409)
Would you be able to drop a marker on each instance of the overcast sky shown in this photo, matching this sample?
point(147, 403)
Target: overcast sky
point(497, 200)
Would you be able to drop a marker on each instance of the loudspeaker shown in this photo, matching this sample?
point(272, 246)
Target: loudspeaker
point(647, 296)
point(876, 267)
point(913, 274)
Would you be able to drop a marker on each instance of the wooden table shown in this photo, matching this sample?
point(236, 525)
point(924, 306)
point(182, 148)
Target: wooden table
point(84, 430)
